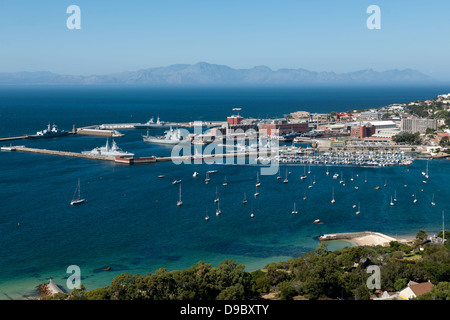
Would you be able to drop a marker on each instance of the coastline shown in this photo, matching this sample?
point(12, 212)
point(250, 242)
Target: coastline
point(366, 238)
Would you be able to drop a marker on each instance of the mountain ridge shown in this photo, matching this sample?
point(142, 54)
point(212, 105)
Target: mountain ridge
point(203, 73)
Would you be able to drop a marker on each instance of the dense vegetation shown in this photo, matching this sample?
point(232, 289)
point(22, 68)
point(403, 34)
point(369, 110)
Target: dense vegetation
point(408, 138)
point(320, 274)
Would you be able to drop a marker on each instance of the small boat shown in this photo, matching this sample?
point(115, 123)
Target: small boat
point(335, 176)
point(218, 212)
point(318, 221)
point(77, 200)
point(161, 176)
point(195, 174)
point(294, 211)
point(377, 187)
point(245, 198)
point(279, 175)
point(257, 180)
point(217, 197)
point(356, 187)
point(304, 173)
point(179, 203)
point(354, 206)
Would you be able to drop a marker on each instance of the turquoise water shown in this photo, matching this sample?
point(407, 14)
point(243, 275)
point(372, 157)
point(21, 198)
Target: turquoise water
point(131, 222)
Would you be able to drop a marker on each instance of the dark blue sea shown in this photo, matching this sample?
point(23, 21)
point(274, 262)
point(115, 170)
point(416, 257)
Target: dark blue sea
point(130, 221)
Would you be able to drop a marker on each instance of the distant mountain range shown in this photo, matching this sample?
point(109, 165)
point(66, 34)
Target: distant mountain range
point(203, 73)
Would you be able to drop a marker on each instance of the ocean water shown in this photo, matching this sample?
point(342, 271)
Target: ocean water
point(131, 222)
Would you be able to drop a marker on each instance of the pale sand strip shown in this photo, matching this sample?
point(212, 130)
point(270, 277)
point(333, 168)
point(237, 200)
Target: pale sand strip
point(366, 238)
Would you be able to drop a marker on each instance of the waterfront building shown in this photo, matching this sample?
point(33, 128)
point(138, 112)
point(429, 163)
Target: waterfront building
point(362, 131)
point(414, 125)
point(234, 119)
point(370, 115)
point(282, 127)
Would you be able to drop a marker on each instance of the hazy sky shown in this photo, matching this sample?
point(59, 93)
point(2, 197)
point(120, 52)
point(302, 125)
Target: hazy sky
point(319, 35)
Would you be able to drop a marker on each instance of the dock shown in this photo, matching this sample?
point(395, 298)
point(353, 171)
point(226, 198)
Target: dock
point(14, 138)
point(128, 160)
point(116, 159)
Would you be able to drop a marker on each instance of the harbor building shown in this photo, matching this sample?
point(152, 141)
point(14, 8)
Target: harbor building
point(283, 127)
point(234, 119)
point(362, 131)
point(414, 125)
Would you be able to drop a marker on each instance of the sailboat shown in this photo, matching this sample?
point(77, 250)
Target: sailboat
point(314, 181)
point(415, 198)
point(286, 179)
point(206, 217)
point(304, 197)
point(385, 183)
point(245, 198)
point(207, 179)
point(294, 211)
point(425, 174)
point(309, 169)
point(359, 209)
point(432, 201)
point(256, 192)
point(279, 175)
point(179, 203)
point(304, 173)
point(328, 172)
point(252, 215)
point(217, 197)
point(218, 212)
point(77, 200)
point(225, 183)
point(257, 180)
point(392, 203)
point(332, 199)
point(395, 195)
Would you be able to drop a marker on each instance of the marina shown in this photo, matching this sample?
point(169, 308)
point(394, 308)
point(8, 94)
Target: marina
point(130, 220)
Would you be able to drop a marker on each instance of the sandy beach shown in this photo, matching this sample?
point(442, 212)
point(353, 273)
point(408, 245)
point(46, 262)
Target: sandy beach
point(366, 238)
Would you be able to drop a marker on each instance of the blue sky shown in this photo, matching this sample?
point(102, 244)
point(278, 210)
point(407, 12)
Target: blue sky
point(320, 35)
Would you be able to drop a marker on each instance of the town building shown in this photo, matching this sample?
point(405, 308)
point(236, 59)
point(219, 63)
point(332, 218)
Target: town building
point(362, 131)
point(234, 119)
point(283, 127)
point(415, 289)
point(414, 125)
